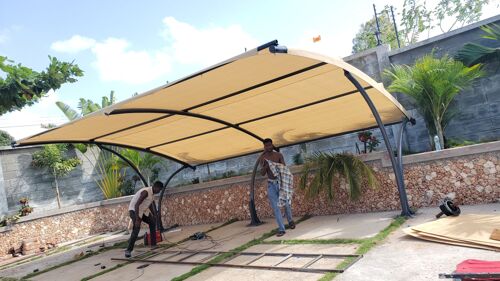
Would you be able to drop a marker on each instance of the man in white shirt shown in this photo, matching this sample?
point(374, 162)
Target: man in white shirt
point(141, 210)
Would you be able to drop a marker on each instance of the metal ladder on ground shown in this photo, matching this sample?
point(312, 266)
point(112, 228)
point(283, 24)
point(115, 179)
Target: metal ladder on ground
point(181, 257)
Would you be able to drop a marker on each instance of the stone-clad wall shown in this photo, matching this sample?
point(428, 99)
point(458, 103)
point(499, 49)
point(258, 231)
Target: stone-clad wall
point(65, 225)
point(471, 179)
point(470, 174)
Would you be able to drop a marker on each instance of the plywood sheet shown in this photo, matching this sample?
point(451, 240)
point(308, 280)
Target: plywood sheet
point(467, 230)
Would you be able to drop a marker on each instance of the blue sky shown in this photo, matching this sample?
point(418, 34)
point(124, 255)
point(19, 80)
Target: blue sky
point(133, 46)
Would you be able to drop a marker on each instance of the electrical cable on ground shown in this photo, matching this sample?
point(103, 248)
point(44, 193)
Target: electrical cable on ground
point(214, 242)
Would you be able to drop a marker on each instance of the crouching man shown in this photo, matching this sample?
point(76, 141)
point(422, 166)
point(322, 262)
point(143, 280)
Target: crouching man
point(141, 209)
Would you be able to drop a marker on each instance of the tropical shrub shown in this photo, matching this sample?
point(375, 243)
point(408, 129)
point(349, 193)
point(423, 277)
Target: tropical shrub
point(327, 168)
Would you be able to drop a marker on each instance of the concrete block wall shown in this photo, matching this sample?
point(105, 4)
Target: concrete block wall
point(20, 179)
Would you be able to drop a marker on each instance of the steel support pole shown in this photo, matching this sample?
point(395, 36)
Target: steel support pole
point(398, 173)
point(160, 223)
point(399, 149)
point(255, 221)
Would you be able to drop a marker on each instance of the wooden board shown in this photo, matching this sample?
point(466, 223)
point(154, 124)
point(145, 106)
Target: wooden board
point(469, 230)
point(437, 239)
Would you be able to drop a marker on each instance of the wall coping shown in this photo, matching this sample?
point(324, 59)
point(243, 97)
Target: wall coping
point(452, 152)
point(10, 148)
point(444, 35)
point(383, 47)
point(224, 183)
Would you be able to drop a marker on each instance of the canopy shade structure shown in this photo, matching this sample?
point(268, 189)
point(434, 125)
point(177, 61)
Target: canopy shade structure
point(225, 111)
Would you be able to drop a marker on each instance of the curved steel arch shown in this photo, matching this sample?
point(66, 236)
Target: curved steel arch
point(397, 163)
point(184, 113)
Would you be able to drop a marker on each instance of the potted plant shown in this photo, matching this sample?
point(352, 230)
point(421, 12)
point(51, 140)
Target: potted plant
point(25, 207)
point(370, 142)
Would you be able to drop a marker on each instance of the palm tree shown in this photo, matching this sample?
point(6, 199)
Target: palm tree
point(433, 83)
point(472, 53)
point(328, 166)
point(145, 162)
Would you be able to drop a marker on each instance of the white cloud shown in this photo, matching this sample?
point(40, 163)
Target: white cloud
point(206, 46)
point(73, 45)
point(115, 62)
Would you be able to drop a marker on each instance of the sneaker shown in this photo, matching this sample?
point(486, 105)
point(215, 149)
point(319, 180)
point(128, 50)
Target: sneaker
point(280, 233)
point(128, 254)
point(291, 225)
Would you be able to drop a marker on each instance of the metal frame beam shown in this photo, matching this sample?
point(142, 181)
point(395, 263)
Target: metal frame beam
point(160, 223)
point(396, 166)
point(248, 265)
point(183, 113)
point(470, 276)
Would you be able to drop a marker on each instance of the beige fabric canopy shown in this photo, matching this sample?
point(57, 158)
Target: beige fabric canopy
point(226, 110)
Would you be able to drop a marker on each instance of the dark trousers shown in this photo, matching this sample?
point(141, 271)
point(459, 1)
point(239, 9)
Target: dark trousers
point(137, 227)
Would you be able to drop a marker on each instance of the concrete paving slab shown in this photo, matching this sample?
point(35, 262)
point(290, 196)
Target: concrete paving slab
point(227, 237)
point(153, 272)
point(330, 249)
point(402, 257)
point(223, 274)
point(86, 267)
point(354, 226)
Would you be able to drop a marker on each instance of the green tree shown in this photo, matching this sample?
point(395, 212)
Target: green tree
point(365, 38)
point(53, 158)
point(463, 12)
point(21, 86)
point(416, 18)
point(433, 83)
point(5, 138)
point(472, 53)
